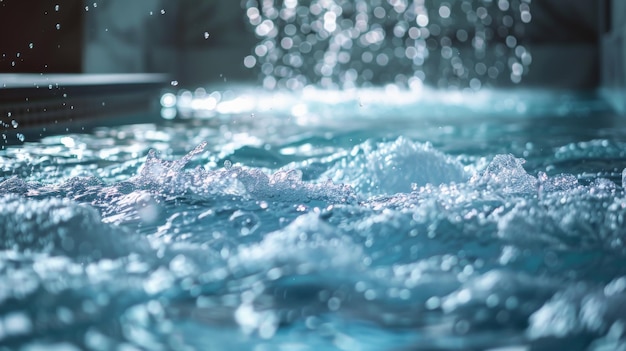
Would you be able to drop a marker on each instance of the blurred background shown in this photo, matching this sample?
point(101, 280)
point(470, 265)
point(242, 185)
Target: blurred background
point(563, 44)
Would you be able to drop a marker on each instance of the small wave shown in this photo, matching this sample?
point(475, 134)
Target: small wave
point(395, 167)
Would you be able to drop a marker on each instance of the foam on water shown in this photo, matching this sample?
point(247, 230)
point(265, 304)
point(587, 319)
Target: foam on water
point(395, 167)
point(328, 239)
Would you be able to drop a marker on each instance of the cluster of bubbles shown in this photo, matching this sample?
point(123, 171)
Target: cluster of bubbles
point(357, 43)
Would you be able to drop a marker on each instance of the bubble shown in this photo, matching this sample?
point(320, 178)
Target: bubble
point(168, 100)
point(168, 113)
point(334, 304)
point(503, 5)
point(249, 61)
point(444, 11)
point(511, 41)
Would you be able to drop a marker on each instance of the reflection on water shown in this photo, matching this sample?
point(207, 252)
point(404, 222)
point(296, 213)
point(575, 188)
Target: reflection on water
point(345, 222)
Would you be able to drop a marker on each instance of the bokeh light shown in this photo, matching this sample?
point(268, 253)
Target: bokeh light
point(333, 44)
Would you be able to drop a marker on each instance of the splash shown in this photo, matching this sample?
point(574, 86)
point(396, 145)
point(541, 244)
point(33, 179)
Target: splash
point(390, 237)
point(395, 167)
point(160, 171)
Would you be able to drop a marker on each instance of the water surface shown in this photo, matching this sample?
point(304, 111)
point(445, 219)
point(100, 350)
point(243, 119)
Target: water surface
point(372, 219)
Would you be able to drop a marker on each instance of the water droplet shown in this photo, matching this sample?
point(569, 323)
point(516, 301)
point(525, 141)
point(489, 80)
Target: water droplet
point(168, 100)
point(56, 8)
point(31, 45)
point(249, 61)
point(206, 35)
point(174, 83)
point(58, 26)
point(162, 11)
point(14, 123)
point(228, 164)
point(21, 137)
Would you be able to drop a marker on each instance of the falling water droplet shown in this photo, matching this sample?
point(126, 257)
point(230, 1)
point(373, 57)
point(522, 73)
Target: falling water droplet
point(206, 35)
point(31, 45)
point(56, 8)
point(58, 26)
point(228, 164)
point(14, 123)
point(174, 83)
point(20, 137)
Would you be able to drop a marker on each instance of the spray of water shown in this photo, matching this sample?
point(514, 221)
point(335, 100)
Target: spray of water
point(345, 43)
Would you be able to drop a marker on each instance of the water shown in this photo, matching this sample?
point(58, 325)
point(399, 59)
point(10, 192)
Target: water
point(371, 219)
point(347, 44)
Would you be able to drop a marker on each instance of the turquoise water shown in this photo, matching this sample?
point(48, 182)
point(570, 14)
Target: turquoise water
point(372, 219)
